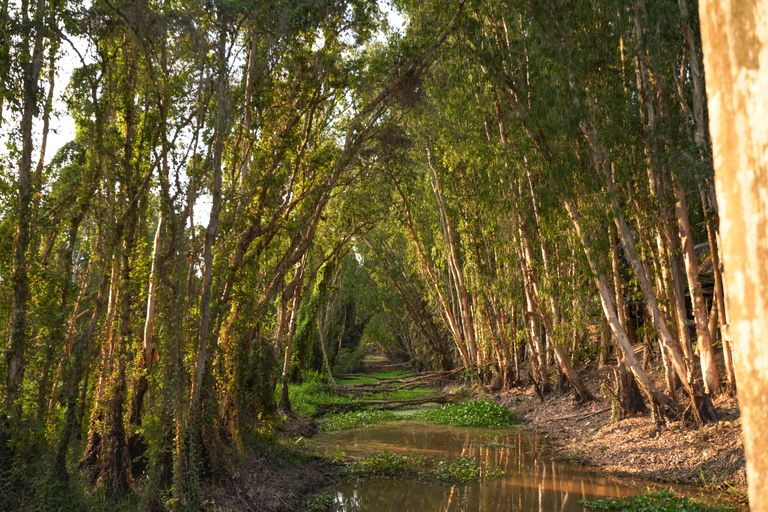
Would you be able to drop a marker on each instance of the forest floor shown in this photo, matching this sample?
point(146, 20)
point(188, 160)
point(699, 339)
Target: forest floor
point(278, 476)
point(710, 457)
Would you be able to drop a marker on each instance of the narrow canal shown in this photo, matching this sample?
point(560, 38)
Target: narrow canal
point(531, 483)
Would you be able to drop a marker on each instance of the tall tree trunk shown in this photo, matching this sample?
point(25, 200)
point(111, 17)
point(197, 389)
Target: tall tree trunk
point(221, 125)
point(719, 299)
point(453, 325)
point(14, 354)
point(706, 352)
point(76, 369)
point(222, 107)
point(136, 444)
point(464, 302)
point(703, 410)
point(735, 41)
point(285, 401)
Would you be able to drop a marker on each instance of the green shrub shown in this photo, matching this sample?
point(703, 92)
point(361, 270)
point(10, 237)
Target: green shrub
point(480, 413)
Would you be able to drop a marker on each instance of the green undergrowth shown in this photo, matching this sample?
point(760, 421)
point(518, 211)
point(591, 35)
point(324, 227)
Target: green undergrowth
point(480, 413)
point(664, 501)
point(305, 396)
point(451, 470)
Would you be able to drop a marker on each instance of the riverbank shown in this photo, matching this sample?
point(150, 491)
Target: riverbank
point(292, 473)
point(710, 457)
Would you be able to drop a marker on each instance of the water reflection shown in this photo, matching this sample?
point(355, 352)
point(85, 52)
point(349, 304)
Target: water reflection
point(531, 484)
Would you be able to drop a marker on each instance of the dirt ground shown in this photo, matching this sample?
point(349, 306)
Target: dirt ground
point(271, 482)
point(709, 457)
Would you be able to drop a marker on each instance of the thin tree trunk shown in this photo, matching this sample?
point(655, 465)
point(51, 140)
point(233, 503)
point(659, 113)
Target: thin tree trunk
point(630, 254)
point(213, 220)
point(465, 307)
point(706, 352)
point(285, 401)
point(719, 298)
point(446, 309)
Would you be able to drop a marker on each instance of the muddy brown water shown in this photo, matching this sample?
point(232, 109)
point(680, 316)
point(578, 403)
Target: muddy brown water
point(531, 483)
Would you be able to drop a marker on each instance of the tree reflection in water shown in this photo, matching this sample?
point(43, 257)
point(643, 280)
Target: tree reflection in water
point(531, 483)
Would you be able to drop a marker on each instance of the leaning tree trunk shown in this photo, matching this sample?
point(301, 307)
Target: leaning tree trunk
point(655, 396)
point(735, 43)
point(704, 342)
point(703, 409)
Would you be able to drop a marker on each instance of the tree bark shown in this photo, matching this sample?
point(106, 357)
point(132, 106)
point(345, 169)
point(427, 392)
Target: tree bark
point(735, 42)
point(704, 342)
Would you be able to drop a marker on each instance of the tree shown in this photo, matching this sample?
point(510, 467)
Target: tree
point(735, 42)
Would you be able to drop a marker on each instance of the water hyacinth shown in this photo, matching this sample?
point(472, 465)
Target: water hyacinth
point(480, 413)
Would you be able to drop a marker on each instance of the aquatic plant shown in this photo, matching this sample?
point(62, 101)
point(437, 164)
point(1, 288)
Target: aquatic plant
point(384, 464)
point(347, 420)
point(461, 470)
point(664, 501)
point(318, 502)
point(455, 470)
point(480, 413)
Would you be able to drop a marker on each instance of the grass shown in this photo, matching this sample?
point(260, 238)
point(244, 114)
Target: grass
point(664, 501)
point(480, 413)
point(455, 470)
point(307, 396)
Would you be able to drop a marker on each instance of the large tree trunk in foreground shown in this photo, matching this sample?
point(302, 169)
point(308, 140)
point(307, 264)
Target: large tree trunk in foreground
point(735, 43)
